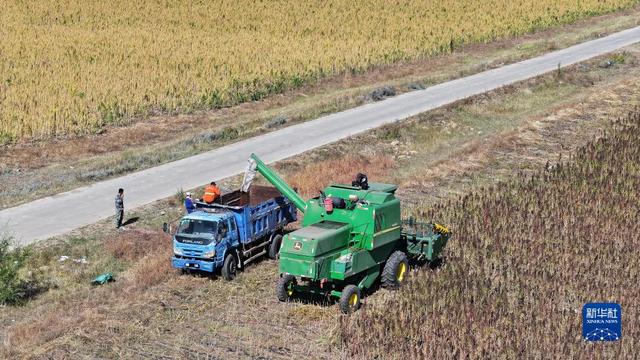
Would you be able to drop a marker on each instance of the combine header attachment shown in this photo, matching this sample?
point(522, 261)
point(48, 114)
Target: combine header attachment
point(351, 236)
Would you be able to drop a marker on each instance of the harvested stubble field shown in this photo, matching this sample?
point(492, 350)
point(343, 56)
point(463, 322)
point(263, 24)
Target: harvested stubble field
point(528, 253)
point(74, 67)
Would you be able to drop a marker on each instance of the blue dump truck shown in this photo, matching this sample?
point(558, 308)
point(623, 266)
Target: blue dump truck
point(233, 231)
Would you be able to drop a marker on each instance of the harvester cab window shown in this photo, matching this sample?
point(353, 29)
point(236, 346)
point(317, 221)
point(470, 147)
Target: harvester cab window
point(381, 222)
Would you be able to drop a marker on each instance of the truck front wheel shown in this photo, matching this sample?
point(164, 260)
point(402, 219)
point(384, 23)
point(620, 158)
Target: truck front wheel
point(395, 270)
point(229, 267)
point(285, 287)
point(274, 247)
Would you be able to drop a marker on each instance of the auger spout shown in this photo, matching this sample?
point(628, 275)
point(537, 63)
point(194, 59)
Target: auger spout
point(256, 164)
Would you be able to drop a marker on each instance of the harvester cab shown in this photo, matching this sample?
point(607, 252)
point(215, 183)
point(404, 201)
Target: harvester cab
point(351, 235)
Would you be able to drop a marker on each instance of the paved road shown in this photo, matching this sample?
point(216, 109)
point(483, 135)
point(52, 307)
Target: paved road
point(64, 212)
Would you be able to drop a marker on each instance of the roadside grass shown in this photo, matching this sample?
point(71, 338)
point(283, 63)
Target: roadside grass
point(522, 150)
point(150, 310)
point(14, 287)
point(131, 246)
point(27, 177)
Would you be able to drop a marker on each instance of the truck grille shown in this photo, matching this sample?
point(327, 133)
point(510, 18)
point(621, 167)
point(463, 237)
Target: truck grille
point(192, 253)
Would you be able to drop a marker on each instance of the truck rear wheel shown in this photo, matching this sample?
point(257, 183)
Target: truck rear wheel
point(285, 287)
point(350, 299)
point(229, 267)
point(395, 270)
point(274, 247)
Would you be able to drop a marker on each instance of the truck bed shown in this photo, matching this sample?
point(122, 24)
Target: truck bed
point(258, 213)
point(257, 194)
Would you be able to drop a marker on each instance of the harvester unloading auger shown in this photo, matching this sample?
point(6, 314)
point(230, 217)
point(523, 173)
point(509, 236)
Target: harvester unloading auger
point(350, 237)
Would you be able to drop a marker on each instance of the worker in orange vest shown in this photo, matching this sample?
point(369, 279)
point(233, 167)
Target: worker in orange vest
point(211, 193)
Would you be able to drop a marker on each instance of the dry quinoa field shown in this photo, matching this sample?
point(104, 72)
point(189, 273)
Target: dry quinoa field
point(527, 255)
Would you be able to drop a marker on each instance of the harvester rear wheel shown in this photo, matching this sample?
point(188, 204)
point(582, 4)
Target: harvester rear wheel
point(229, 267)
point(284, 288)
point(274, 247)
point(395, 270)
point(350, 299)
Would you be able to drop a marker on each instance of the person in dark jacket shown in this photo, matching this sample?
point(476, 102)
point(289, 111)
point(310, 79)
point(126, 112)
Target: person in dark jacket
point(119, 208)
point(188, 203)
point(361, 181)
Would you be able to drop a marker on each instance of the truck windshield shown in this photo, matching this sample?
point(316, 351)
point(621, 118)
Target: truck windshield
point(197, 227)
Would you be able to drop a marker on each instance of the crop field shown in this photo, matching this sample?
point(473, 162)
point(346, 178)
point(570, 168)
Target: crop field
point(73, 67)
point(527, 255)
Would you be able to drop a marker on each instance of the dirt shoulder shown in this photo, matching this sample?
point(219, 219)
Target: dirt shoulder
point(32, 170)
point(152, 311)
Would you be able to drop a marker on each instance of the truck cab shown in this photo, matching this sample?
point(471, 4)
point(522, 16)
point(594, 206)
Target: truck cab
point(202, 240)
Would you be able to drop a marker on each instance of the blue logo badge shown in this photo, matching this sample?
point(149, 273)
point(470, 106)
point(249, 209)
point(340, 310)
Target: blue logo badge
point(601, 322)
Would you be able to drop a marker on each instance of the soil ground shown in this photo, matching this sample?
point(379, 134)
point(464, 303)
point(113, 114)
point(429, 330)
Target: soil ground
point(152, 311)
point(32, 170)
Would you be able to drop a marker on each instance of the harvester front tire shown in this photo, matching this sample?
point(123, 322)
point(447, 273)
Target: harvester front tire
point(284, 288)
point(395, 270)
point(350, 300)
point(274, 247)
point(229, 267)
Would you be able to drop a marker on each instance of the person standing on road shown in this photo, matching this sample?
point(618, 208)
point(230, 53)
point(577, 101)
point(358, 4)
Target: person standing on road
point(119, 208)
point(188, 203)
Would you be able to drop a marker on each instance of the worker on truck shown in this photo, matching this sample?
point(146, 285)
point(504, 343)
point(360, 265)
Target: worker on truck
point(211, 193)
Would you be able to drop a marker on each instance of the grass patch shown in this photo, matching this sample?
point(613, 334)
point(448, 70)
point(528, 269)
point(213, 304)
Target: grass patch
point(12, 286)
point(19, 282)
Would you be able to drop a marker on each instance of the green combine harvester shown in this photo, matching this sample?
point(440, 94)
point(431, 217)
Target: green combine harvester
point(351, 236)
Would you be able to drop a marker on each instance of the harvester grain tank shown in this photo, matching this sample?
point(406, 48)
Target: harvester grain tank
point(351, 236)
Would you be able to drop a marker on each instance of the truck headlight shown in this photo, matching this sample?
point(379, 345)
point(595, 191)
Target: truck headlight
point(177, 251)
point(209, 254)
